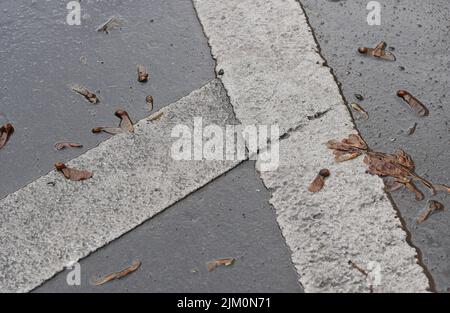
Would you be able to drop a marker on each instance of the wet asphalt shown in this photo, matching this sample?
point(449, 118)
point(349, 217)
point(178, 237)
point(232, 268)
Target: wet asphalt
point(417, 33)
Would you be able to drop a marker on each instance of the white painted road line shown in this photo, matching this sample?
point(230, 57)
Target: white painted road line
point(44, 227)
point(274, 75)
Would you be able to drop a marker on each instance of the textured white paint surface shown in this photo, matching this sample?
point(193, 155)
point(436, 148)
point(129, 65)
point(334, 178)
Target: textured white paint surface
point(274, 74)
point(44, 227)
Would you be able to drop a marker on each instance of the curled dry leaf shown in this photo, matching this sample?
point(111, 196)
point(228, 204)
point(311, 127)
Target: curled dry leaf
point(433, 206)
point(118, 275)
point(88, 95)
point(125, 122)
point(319, 181)
point(149, 100)
point(113, 21)
point(142, 73)
point(5, 133)
point(358, 108)
point(219, 262)
point(66, 144)
point(125, 125)
point(418, 107)
point(378, 52)
point(72, 173)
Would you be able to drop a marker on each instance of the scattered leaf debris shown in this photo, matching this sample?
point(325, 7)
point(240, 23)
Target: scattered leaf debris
point(399, 165)
point(5, 133)
point(72, 173)
point(67, 144)
point(433, 206)
point(362, 271)
point(118, 275)
point(125, 125)
point(88, 95)
point(319, 181)
point(318, 115)
point(220, 262)
point(155, 117)
point(378, 52)
point(418, 107)
point(149, 100)
point(359, 109)
point(412, 129)
point(113, 21)
point(142, 73)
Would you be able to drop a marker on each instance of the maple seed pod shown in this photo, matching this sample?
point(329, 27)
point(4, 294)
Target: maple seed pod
point(402, 93)
point(149, 99)
point(324, 172)
point(60, 166)
point(362, 50)
point(119, 113)
point(97, 130)
point(9, 128)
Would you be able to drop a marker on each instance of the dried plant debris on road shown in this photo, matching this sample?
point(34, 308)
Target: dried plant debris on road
point(156, 116)
point(113, 21)
point(149, 100)
point(212, 265)
point(67, 144)
point(319, 182)
point(5, 133)
point(88, 95)
point(142, 73)
point(412, 129)
point(418, 107)
point(117, 275)
point(359, 109)
point(433, 206)
point(378, 52)
point(125, 125)
point(399, 165)
point(73, 173)
point(363, 272)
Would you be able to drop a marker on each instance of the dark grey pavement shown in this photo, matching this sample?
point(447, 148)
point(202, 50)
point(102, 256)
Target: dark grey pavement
point(417, 31)
point(230, 217)
point(41, 56)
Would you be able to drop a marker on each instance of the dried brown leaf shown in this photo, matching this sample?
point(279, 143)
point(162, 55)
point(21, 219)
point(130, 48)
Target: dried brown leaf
point(378, 52)
point(219, 262)
point(142, 74)
point(125, 122)
point(5, 133)
point(88, 95)
point(72, 173)
point(67, 144)
point(319, 181)
point(149, 100)
point(418, 107)
point(118, 275)
point(433, 206)
point(359, 109)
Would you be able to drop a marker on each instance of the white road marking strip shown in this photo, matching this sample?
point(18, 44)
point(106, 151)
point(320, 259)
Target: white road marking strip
point(43, 228)
point(274, 75)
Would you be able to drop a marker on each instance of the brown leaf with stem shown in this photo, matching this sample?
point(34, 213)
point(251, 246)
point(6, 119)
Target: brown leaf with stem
point(418, 107)
point(5, 133)
point(67, 144)
point(88, 95)
point(142, 74)
point(319, 181)
point(118, 275)
point(72, 173)
point(149, 100)
point(359, 109)
point(125, 122)
point(433, 206)
point(378, 52)
point(219, 262)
